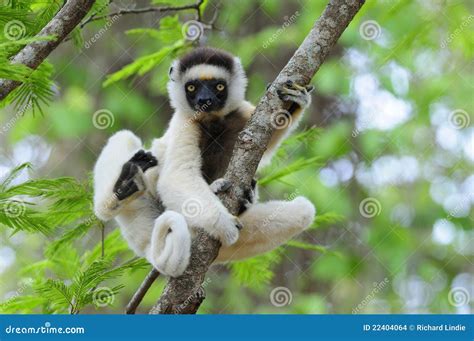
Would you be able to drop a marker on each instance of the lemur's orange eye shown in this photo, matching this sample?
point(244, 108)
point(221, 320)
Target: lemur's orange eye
point(220, 86)
point(190, 88)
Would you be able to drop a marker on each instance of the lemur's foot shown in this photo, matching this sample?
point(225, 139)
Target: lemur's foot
point(220, 185)
point(144, 160)
point(298, 95)
point(131, 179)
point(248, 198)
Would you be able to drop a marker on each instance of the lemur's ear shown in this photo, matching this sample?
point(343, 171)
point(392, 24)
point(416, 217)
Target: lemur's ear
point(170, 73)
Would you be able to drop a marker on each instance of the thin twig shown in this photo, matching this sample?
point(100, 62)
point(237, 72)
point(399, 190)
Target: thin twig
point(141, 292)
point(150, 9)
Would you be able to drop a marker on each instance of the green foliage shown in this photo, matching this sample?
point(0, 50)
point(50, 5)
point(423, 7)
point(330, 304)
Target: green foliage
point(19, 23)
point(257, 271)
point(169, 34)
point(61, 204)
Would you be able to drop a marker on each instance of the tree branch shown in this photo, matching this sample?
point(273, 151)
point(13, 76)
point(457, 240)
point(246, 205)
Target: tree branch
point(184, 295)
point(33, 54)
point(140, 293)
point(196, 6)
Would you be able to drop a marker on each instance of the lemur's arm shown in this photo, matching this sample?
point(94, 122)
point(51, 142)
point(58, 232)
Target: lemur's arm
point(285, 121)
point(182, 187)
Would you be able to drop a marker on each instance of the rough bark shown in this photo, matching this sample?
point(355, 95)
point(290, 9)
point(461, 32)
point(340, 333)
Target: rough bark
point(184, 295)
point(33, 54)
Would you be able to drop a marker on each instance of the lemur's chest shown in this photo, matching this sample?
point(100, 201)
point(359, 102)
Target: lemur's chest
point(217, 141)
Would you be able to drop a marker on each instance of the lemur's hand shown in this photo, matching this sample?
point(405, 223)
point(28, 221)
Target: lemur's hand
point(131, 180)
point(248, 198)
point(298, 95)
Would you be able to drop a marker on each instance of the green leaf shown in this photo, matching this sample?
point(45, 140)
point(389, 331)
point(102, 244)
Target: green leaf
point(296, 166)
point(307, 246)
point(143, 64)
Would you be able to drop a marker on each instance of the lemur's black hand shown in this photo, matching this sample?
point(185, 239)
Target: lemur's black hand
point(126, 184)
point(248, 198)
point(298, 95)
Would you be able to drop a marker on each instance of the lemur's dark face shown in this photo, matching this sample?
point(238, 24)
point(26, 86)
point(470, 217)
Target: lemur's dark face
point(206, 95)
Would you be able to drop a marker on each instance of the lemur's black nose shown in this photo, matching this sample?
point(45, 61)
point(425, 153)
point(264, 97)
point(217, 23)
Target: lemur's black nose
point(204, 101)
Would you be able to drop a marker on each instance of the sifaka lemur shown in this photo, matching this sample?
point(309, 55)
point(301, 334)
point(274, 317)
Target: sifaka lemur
point(184, 169)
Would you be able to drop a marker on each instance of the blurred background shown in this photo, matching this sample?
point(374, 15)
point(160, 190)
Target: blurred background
point(385, 153)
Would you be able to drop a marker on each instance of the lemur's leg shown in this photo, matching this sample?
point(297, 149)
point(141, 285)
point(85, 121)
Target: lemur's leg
point(268, 225)
point(125, 188)
point(109, 168)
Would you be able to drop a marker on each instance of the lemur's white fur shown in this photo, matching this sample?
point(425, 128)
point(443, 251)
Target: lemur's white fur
point(165, 239)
